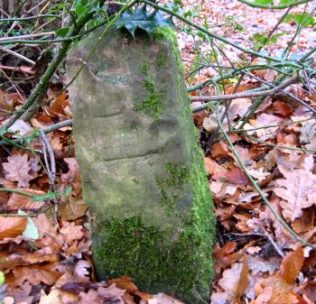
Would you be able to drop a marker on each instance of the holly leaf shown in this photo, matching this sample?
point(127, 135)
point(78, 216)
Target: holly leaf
point(143, 19)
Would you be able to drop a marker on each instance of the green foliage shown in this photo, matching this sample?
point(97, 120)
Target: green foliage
point(51, 195)
point(143, 19)
point(261, 39)
point(62, 32)
point(265, 2)
point(82, 6)
point(231, 22)
point(303, 19)
point(2, 278)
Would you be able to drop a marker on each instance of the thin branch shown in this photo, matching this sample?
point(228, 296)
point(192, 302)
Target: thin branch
point(279, 146)
point(18, 191)
point(274, 28)
point(16, 69)
point(3, 49)
point(270, 6)
point(278, 217)
point(13, 39)
point(308, 54)
point(49, 159)
point(30, 18)
point(205, 31)
point(47, 130)
point(40, 89)
point(246, 94)
point(235, 72)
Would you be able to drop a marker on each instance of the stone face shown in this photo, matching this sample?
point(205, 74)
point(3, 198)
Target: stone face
point(141, 168)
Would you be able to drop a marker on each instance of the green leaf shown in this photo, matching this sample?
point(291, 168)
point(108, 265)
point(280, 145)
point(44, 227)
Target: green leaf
point(262, 39)
point(31, 231)
point(2, 278)
point(51, 195)
point(303, 19)
point(62, 32)
point(263, 2)
point(142, 19)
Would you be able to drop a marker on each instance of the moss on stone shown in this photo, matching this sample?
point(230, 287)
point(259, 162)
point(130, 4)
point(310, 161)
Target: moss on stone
point(153, 257)
point(166, 33)
point(152, 105)
point(162, 60)
point(171, 184)
point(163, 257)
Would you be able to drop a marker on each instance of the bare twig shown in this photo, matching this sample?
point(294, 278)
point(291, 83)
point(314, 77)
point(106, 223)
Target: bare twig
point(49, 159)
point(205, 31)
point(16, 69)
point(40, 88)
point(47, 130)
point(276, 89)
point(261, 193)
point(6, 50)
point(270, 6)
point(13, 38)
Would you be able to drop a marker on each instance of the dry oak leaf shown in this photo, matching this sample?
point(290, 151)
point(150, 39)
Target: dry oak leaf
point(11, 227)
point(57, 296)
point(71, 232)
point(18, 201)
point(274, 290)
point(23, 259)
point(20, 169)
point(292, 265)
point(298, 192)
point(233, 282)
point(36, 274)
point(162, 298)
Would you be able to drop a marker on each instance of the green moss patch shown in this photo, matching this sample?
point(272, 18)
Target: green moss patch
point(152, 105)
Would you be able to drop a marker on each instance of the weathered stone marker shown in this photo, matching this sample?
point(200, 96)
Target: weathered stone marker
point(142, 171)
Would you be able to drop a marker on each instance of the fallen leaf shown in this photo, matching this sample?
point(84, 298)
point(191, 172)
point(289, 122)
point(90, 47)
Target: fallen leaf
point(83, 270)
point(70, 211)
point(274, 290)
point(57, 296)
point(70, 232)
point(20, 169)
point(281, 108)
point(36, 274)
point(162, 298)
point(11, 227)
point(230, 281)
point(297, 192)
point(291, 265)
point(18, 201)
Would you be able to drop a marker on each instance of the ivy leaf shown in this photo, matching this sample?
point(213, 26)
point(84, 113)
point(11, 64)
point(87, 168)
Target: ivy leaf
point(143, 19)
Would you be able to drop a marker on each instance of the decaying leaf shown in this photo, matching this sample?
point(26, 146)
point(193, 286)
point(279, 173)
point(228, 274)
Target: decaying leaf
point(162, 298)
point(292, 264)
point(274, 290)
point(234, 283)
point(20, 168)
point(298, 192)
point(11, 227)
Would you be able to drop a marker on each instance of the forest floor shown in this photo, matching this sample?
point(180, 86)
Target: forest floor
point(46, 257)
